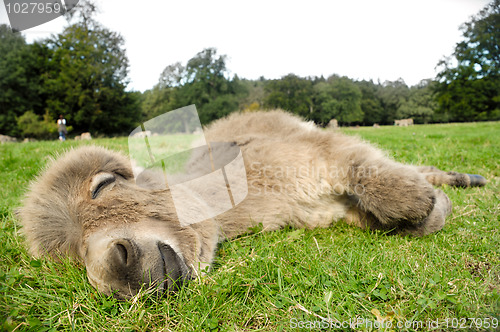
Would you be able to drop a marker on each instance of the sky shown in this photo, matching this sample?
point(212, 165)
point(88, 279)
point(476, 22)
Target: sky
point(361, 39)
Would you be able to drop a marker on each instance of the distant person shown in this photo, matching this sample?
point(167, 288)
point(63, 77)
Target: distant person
point(61, 128)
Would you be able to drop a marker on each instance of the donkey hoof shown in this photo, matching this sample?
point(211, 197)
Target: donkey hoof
point(477, 180)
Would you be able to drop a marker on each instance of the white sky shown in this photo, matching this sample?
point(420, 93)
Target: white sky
point(361, 39)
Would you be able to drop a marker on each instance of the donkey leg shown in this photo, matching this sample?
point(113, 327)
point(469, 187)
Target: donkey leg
point(437, 177)
point(432, 223)
point(399, 200)
point(396, 195)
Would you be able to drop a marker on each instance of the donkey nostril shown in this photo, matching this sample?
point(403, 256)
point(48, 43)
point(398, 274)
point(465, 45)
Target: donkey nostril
point(122, 256)
point(122, 253)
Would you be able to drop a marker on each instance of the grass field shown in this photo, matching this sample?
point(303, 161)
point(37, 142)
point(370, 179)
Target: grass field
point(276, 281)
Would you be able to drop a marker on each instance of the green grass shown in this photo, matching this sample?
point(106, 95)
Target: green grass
point(272, 281)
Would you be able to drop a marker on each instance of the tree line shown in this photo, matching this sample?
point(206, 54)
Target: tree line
point(82, 73)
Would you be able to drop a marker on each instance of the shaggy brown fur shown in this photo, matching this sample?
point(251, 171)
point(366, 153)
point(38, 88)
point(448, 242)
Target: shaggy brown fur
point(87, 205)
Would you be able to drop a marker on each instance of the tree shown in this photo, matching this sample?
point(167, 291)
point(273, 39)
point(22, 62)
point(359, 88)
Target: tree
point(206, 80)
point(469, 81)
point(254, 98)
point(337, 98)
point(421, 103)
point(81, 73)
point(155, 102)
point(84, 11)
point(370, 102)
point(88, 79)
point(31, 125)
point(203, 81)
point(18, 94)
point(172, 76)
point(291, 93)
point(392, 95)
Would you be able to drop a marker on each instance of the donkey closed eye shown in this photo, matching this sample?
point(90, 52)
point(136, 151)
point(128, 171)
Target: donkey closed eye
point(101, 182)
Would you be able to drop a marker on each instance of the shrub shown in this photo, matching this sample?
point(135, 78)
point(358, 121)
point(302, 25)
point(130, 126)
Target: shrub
point(31, 125)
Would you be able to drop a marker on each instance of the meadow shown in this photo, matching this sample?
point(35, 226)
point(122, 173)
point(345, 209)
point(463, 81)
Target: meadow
point(341, 277)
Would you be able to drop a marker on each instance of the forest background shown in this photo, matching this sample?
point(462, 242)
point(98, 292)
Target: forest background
point(81, 73)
